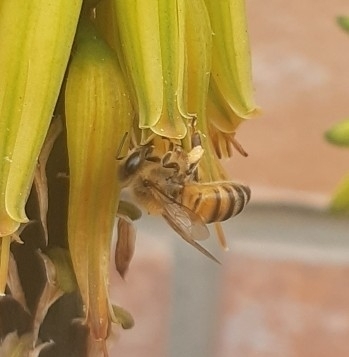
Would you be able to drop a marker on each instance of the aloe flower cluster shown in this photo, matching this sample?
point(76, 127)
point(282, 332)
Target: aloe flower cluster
point(103, 72)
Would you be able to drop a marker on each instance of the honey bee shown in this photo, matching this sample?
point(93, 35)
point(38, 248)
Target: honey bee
point(168, 186)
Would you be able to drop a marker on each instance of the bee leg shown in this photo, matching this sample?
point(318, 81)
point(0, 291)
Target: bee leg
point(148, 156)
point(192, 172)
point(171, 146)
point(153, 159)
point(168, 163)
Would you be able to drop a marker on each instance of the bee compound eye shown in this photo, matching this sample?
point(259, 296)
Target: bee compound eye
point(133, 162)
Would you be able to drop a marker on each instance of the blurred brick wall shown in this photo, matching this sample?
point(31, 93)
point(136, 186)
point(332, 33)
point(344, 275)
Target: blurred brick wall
point(300, 60)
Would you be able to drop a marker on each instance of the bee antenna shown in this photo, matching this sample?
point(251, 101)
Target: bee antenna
point(121, 145)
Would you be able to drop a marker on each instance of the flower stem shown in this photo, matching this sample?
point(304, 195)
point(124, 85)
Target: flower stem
point(5, 256)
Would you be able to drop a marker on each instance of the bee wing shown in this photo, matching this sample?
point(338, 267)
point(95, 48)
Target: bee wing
point(170, 213)
point(183, 217)
point(185, 222)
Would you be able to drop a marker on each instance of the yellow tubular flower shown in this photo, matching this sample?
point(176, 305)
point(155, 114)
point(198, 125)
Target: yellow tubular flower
point(231, 67)
point(98, 114)
point(152, 46)
point(138, 26)
point(198, 46)
point(35, 38)
point(171, 122)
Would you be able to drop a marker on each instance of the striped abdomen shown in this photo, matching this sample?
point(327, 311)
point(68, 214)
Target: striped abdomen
point(215, 201)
